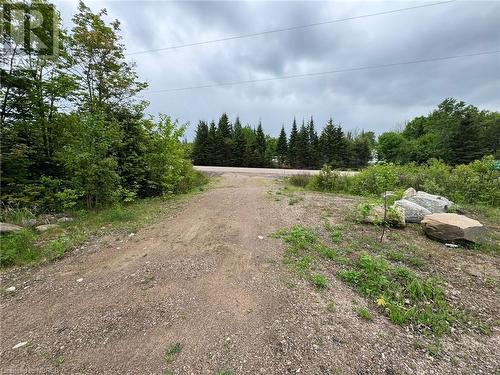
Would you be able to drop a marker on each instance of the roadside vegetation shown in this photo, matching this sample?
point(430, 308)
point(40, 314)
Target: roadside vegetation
point(393, 278)
point(473, 186)
point(76, 140)
point(28, 246)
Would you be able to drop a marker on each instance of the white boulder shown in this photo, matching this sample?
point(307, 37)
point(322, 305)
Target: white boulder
point(434, 203)
point(414, 213)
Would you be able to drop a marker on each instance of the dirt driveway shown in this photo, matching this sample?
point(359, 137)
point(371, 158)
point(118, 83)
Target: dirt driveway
point(208, 277)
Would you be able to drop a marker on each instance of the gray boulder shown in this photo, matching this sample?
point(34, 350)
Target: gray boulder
point(65, 219)
point(434, 203)
point(9, 228)
point(414, 213)
point(408, 193)
point(448, 227)
point(46, 227)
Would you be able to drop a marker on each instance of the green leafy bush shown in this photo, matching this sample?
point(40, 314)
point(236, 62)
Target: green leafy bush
point(474, 183)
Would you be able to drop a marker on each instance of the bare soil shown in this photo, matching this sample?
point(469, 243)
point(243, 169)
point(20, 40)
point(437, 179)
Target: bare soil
point(209, 277)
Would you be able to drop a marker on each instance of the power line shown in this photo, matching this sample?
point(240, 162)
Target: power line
point(243, 36)
point(324, 73)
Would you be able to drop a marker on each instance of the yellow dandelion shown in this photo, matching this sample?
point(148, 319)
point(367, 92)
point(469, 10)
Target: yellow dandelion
point(381, 301)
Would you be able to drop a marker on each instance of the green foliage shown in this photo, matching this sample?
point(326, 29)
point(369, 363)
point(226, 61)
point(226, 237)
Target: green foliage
point(402, 295)
point(475, 183)
point(329, 180)
point(172, 351)
point(300, 180)
point(364, 313)
point(455, 132)
point(74, 133)
point(319, 281)
point(18, 248)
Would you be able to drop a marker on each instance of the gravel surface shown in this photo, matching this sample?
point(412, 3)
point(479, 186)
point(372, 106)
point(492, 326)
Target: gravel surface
point(209, 277)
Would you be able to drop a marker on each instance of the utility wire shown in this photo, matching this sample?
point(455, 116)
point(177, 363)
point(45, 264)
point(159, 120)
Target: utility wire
point(369, 67)
point(243, 36)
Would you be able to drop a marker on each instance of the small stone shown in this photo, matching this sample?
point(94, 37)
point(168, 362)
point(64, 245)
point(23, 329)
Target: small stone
point(131, 235)
point(19, 345)
point(408, 193)
point(260, 237)
point(79, 280)
point(46, 227)
point(11, 289)
point(64, 219)
point(452, 245)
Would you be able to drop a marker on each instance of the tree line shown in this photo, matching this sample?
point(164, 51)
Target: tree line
point(227, 144)
point(455, 133)
point(73, 133)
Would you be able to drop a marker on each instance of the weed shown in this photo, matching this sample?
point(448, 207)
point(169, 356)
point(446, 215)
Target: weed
point(172, 351)
point(319, 281)
point(331, 307)
point(434, 349)
point(364, 313)
point(294, 200)
point(58, 361)
point(408, 299)
point(223, 373)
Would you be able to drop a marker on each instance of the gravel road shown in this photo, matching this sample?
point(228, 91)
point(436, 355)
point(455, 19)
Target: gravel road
point(263, 172)
point(209, 277)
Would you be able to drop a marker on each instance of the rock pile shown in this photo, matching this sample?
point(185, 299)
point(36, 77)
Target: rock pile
point(431, 211)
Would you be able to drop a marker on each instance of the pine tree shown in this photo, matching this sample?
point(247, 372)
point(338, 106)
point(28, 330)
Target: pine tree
point(260, 146)
point(239, 144)
point(292, 145)
point(327, 143)
point(313, 152)
point(302, 147)
point(200, 145)
point(465, 143)
point(282, 147)
point(212, 145)
point(224, 141)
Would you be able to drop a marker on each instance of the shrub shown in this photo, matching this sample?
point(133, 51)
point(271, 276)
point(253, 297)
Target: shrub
point(330, 180)
point(300, 180)
point(18, 248)
point(475, 183)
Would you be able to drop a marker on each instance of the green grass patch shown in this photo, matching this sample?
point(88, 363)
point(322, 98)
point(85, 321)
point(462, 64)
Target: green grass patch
point(172, 352)
point(378, 272)
point(406, 298)
point(364, 313)
point(319, 281)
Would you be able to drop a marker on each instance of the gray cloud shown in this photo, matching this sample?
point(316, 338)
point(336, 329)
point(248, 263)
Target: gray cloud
point(378, 100)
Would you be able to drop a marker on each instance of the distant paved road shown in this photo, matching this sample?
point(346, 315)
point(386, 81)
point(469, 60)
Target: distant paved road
point(273, 172)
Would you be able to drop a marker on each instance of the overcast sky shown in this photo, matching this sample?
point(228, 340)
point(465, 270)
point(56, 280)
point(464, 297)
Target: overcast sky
point(377, 100)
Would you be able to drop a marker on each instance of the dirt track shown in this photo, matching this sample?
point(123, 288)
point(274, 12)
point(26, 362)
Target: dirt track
point(208, 277)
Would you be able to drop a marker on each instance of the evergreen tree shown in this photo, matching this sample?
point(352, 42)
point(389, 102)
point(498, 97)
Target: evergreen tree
point(292, 145)
point(224, 141)
point(313, 152)
point(212, 145)
point(239, 144)
point(200, 145)
point(282, 148)
point(260, 146)
point(303, 147)
point(465, 143)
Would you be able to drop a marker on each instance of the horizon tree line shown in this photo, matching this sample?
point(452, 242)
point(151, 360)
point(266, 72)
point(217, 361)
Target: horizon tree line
point(235, 145)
